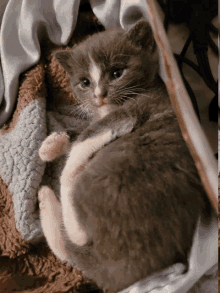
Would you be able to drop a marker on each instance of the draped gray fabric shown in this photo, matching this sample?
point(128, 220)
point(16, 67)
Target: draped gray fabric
point(23, 24)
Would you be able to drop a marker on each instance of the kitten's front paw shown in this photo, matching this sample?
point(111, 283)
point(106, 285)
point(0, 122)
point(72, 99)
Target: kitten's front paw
point(54, 146)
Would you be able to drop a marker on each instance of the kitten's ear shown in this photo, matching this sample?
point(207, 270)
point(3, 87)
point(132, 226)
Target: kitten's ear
point(141, 34)
point(65, 59)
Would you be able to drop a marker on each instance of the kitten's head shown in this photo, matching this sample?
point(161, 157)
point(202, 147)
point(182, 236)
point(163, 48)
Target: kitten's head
point(112, 66)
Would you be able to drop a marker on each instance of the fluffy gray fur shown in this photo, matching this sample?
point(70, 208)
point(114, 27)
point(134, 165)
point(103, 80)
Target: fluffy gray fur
point(139, 197)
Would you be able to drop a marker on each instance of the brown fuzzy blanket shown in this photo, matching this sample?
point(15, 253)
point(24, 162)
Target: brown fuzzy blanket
point(26, 266)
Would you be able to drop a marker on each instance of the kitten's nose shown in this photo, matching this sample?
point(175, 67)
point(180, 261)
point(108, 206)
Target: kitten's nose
point(100, 101)
point(100, 95)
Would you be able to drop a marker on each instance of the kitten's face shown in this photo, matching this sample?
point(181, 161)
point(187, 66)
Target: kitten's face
point(110, 67)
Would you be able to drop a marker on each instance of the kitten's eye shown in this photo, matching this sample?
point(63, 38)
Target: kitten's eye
point(117, 73)
point(85, 83)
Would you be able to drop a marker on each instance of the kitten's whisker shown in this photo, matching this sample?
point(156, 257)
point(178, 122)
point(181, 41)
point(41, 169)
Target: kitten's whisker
point(81, 113)
point(123, 99)
point(131, 90)
point(75, 110)
point(125, 89)
point(127, 92)
point(82, 110)
point(88, 111)
point(86, 107)
point(126, 98)
point(118, 101)
point(130, 87)
point(142, 86)
point(134, 86)
point(132, 93)
point(85, 113)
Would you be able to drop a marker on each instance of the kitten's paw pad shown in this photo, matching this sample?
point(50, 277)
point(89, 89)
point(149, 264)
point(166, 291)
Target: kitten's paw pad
point(45, 197)
point(54, 146)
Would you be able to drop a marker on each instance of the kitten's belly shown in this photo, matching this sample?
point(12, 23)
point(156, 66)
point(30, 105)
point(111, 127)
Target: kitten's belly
point(135, 198)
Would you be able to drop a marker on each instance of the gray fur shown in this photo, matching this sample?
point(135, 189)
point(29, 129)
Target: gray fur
point(139, 197)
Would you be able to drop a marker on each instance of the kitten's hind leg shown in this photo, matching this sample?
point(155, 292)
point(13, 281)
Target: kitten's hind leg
point(54, 145)
point(50, 216)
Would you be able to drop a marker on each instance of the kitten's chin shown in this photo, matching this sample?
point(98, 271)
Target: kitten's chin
point(105, 110)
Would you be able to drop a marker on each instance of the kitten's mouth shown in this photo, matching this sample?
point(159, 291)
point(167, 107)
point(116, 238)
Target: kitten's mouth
point(99, 102)
point(104, 107)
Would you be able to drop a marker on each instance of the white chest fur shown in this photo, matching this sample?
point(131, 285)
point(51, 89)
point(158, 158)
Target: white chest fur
point(79, 155)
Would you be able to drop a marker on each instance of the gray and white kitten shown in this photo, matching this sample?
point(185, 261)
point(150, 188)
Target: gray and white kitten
point(130, 192)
